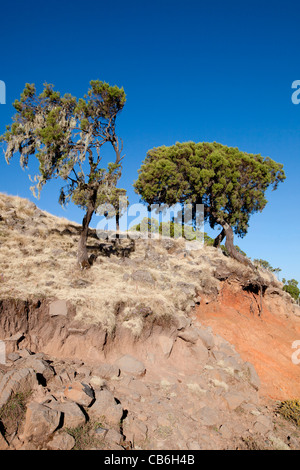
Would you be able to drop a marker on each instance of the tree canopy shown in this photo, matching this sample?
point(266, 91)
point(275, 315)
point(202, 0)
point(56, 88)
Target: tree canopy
point(230, 183)
point(66, 136)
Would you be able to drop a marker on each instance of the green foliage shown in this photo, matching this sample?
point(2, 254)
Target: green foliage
point(292, 288)
point(265, 264)
point(167, 229)
point(231, 184)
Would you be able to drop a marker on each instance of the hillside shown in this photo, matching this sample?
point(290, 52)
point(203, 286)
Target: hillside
point(163, 335)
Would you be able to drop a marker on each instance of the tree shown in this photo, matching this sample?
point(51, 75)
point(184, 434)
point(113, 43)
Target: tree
point(292, 288)
point(66, 136)
point(229, 183)
point(265, 264)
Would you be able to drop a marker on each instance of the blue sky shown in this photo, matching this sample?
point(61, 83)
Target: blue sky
point(192, 70)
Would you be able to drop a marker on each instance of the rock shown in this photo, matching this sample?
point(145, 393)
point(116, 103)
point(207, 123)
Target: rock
point(234, 399)
point(139, 387)
point(15, 381)
point(97, 382)
point(80, 393)
point(134, 430)
point(101, 431)
point(131, 365)
point(166, 344)
point(182, 322)
point(114, 437)
point(106, 371)
point(40, 422)
point(142, 275)
point(206, 338)
point(62, 441)
point(190, 335)
point(187, 289)
point(58, 308)
point(40, 367)
point(14, 356)
point(208, 416)
point(25, 352)
point(83, 372)
point(73, 416)
point(225, 431)
point(105, 407)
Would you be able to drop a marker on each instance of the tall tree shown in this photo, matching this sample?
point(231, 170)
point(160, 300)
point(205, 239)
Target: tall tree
point(66, 135)
point(231, 184)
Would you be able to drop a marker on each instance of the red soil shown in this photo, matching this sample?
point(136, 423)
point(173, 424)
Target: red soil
point(265, 340)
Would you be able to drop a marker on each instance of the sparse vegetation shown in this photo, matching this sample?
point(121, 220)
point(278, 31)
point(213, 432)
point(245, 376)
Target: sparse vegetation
point(66, 136)
point(290, 410)
point(266, 265)
point(229, 183)
point(292, 288)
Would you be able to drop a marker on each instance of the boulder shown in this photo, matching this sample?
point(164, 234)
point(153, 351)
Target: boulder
point(15, 381)
point(80, 393)
point(73, 416)
point(106, 408)
point(58, 308)
point(106, 371)
point(207, 338)
point(134, 430)
point(62, 441)
point(40, 422)
point(234, 399)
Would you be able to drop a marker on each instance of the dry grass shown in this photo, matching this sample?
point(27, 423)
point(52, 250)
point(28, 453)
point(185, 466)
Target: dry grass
point(38, 259)
point(12, 414)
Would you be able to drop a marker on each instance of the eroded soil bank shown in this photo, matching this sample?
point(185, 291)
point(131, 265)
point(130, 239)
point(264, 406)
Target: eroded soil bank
point(265, 339)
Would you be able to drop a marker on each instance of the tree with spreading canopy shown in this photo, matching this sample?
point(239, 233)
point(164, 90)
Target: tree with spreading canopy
point(66, 136)
point(229, 183)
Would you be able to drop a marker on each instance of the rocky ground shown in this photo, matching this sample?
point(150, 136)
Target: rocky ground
point(146, 350)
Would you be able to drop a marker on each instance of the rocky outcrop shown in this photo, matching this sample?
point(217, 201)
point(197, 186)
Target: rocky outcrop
point(200, 396)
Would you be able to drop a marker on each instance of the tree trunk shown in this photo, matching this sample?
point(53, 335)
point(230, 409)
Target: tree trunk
point(219, 239)
point(117, 226)
point(229, 245)
point(82, 254)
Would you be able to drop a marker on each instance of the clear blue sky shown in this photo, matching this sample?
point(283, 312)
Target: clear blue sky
point(192, 70)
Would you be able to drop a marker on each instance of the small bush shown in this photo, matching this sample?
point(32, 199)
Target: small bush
point(290, 410)
point(84, 438)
